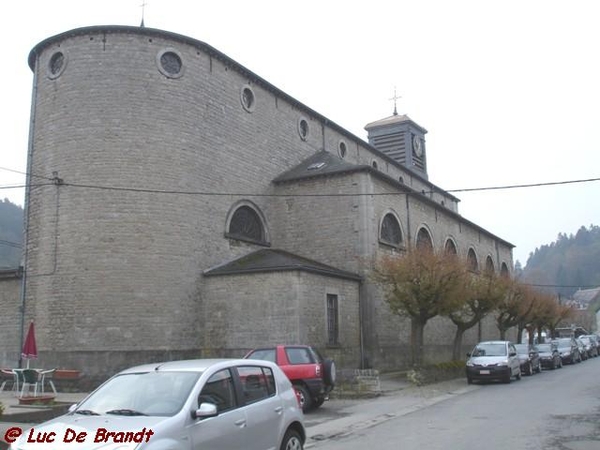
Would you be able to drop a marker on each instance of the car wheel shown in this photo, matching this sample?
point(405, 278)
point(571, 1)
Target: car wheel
point(508, 377)
point(469, 380)
point(305, 398)
point(291, 441)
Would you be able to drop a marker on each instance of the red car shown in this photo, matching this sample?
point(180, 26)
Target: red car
point(312, 376)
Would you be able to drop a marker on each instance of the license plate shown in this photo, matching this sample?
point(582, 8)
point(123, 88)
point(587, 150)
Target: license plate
point(484, 372)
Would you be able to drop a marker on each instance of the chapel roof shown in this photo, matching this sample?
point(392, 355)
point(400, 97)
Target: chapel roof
point(275, 260)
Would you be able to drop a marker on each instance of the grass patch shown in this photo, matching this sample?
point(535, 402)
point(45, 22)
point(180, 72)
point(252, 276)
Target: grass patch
point(434, 373)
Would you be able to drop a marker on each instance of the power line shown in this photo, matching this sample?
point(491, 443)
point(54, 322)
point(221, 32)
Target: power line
point(208, 193)
point(516, 186)
point(566, 286)
point(25, 173)
point(11, 244)
point(56, 181)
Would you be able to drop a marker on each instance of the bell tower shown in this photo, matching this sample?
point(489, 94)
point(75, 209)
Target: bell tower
point(402, 139)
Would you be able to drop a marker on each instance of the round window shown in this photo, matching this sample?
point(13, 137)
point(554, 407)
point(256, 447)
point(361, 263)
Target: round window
point(170, 63)
point(248, 98)
point(342, 149)
point(303, 128)
point(56, 64)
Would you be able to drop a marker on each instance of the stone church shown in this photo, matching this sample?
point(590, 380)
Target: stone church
point(179, 205)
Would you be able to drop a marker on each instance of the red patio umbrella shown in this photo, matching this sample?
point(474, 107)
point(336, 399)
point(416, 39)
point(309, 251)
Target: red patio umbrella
point(29, 347)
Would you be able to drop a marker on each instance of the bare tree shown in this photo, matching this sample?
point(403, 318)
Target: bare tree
point(512, 307)
point(420, 285)
point(482, 295)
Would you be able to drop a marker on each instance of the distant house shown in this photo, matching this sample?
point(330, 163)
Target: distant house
point(587, 303)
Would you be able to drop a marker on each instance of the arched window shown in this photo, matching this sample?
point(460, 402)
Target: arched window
point(390, 230)
point(489, 265)
point(424, 241)
point(504, 272)
point(246, 224)
point(472, 260)
point(450, 247)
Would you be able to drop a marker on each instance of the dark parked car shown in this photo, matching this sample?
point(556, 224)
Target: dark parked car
point(549, 356)
point(529, 358)
point(568, 350)
point(493, 360)
point(590, 346)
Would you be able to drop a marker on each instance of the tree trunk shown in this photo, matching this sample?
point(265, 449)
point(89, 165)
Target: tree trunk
point(502, 334)
point(519, 334)
point(416, 341)
point(457, 347)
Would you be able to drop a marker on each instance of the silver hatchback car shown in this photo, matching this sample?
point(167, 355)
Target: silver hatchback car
point(205, 404)
point(493, 360)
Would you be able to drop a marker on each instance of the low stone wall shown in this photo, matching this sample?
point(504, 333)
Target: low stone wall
point(357, 384)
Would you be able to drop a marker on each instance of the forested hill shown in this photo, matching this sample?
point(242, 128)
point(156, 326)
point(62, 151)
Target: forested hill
point(11, 232)
point(569, 263)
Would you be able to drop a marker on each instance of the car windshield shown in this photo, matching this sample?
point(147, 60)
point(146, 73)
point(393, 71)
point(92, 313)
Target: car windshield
point(490, 349)
point(562, 343)
point(141, 394)
point(522, 349)
point(545, 348)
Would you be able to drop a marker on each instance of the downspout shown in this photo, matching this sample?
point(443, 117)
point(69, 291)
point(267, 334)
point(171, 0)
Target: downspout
point(408, 233)
point(365, 315)
point(26, 212)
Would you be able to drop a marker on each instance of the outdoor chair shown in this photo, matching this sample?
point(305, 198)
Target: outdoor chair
point(9, 375)
point(46, 377)
point(30, 378)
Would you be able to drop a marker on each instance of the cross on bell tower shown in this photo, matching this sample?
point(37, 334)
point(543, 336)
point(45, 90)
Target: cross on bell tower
point(395, 98)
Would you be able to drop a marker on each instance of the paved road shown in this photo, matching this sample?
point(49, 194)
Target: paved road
point(555, 410)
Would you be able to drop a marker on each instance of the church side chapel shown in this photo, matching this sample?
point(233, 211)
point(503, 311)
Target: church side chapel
point(198, 210)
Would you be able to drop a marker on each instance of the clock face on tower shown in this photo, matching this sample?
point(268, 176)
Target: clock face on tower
point(417, 146)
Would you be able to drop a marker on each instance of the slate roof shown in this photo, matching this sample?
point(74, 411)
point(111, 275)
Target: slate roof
point(319, 164)
point(392, 120)
point(586, 296)
point(273, 260)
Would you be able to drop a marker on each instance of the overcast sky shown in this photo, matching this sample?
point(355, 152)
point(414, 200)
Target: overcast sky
point(509, 90)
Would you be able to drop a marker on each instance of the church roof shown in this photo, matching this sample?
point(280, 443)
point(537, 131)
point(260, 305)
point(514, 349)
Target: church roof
point(273, 260)
point(319, 164)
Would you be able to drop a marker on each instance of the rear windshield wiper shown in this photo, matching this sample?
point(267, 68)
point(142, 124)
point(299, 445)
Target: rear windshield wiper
point(125, 412)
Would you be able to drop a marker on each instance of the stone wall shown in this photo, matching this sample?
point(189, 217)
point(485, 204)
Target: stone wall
point(10, 317)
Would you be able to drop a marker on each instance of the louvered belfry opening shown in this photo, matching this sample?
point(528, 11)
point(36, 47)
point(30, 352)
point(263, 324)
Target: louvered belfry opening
point(402, 140)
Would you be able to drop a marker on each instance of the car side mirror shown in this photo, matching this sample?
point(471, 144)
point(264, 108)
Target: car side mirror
point(468, 355)
point(512, 354)
point(205, 410)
